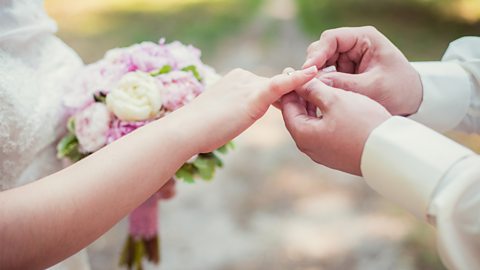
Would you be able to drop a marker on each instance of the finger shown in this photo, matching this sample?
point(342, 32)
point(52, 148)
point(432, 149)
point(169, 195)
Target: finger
point(345, 64)
point(337, 41)
point(287, 70)
point(318, 93)
point(285, 83)
point(278, 103)
point(359, 83)
point(294, 112)
point(292, 104)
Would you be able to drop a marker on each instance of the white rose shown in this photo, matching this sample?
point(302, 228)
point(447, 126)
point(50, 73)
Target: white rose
point(135, 97)
point(91, 127)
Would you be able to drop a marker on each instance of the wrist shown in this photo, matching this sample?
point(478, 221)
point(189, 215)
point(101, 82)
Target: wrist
point(180, 132)
point(415, 94)
point(197, 126)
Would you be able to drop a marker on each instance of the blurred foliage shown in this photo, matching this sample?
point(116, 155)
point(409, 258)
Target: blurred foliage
point(422, 29)
point(119, 23)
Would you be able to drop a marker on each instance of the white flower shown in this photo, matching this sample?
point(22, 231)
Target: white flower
point(91, 127)
point(135, 98)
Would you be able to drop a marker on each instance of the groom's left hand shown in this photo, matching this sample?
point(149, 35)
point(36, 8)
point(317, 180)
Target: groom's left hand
point(336, 138)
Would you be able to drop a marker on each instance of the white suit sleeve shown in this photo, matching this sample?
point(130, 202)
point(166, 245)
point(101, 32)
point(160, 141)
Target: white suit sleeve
point(433, 177)
point(451, 88)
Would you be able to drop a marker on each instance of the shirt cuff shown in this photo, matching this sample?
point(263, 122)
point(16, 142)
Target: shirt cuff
point(446, 94)
point(403, 161)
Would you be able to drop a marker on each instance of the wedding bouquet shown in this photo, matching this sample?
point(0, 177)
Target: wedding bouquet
point(127, 89)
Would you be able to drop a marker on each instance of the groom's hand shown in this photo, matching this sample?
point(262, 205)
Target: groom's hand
point(368, 63)
point(336, 138)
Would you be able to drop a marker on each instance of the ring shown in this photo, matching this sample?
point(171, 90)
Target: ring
point(289, 73)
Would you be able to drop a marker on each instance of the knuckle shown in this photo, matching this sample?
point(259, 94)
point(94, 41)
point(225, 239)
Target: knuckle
point(326, 34)
point(329, 101)
point(275, 85)
point(371, 29)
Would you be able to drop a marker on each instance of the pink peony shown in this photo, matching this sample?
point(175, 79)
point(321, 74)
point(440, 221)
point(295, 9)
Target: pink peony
point(91, 127)
point(178, 88)
point(146, 57)
point(184, 56)
point(119, 128)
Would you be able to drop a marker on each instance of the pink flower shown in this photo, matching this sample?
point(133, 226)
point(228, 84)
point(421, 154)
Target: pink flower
point(119, 128)
point(91, 127)
point(100, 76)
point(146, 57)
point(184, 56)
point(178, 88)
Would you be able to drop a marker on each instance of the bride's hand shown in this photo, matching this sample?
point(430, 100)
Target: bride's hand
point(234, 103)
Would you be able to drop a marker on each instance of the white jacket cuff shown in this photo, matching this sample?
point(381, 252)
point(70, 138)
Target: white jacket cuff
point(403, 161)
point(446, 94)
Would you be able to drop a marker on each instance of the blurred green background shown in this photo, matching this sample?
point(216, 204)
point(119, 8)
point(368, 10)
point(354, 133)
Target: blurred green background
point(271, 207)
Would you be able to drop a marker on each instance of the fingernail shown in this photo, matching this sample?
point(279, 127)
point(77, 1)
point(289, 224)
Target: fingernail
point(310, 71)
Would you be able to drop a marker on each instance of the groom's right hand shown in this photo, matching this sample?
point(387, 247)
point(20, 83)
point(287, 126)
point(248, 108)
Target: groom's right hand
point(335, 138)
point(369, 64)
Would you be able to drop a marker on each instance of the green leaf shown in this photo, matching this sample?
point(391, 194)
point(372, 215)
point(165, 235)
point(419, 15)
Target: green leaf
point(218, 161)
point(225, 148)
point(206, 167)
point(163, 70)
point(71, 125)
point(194, 71)
point(222, 149)
point(186, 173)
point(68, 147)
point(100, 97)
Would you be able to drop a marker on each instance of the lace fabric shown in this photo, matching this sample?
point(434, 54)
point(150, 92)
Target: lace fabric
point(33, 72)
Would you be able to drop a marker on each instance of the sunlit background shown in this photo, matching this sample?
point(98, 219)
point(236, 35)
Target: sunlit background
point(272, 207)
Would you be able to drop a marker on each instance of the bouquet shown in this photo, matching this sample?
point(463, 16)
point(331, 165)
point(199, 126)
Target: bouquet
point(127, 89)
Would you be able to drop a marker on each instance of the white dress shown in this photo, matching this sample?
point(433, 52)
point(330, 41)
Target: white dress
point(34, 65)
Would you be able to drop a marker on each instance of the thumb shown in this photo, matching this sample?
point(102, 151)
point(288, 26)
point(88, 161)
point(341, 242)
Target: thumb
point(359, 83)
point(319, 94)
